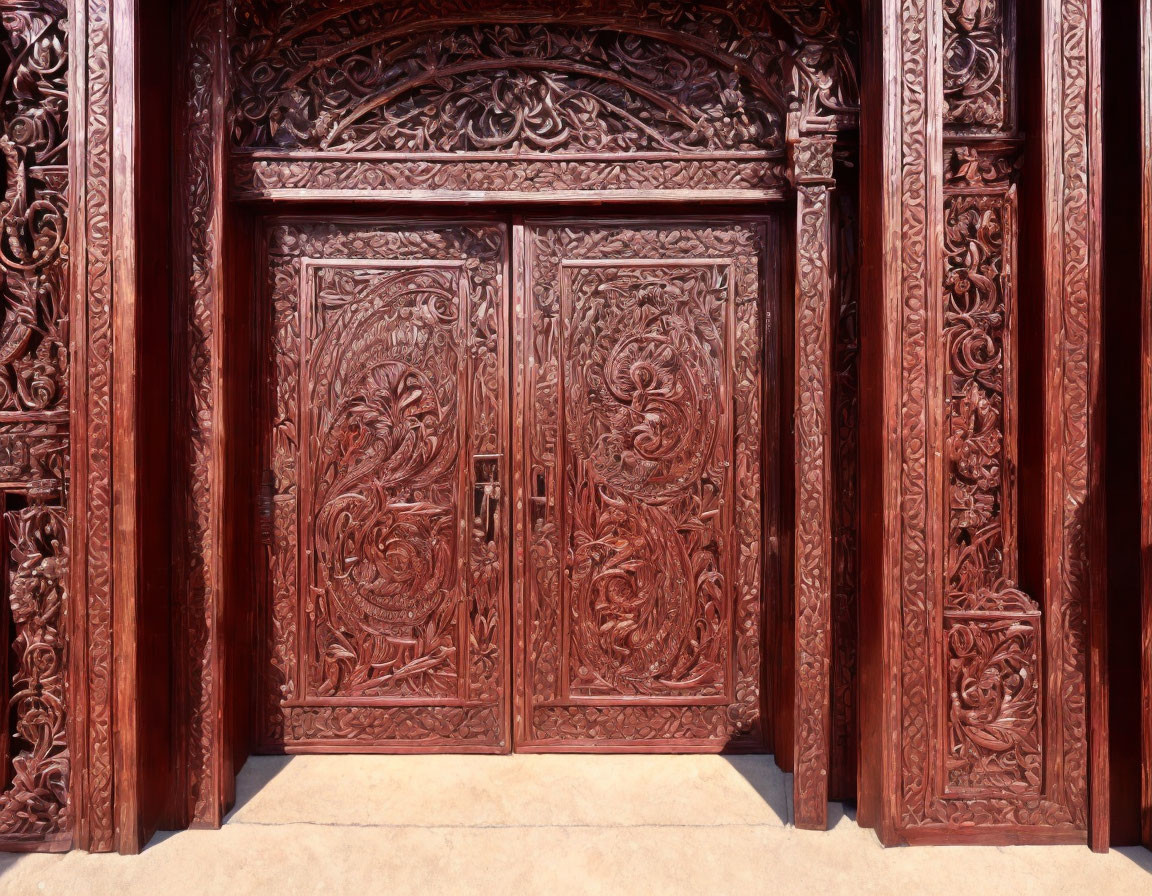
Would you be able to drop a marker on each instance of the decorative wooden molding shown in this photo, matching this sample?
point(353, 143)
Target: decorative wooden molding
point(200, 553)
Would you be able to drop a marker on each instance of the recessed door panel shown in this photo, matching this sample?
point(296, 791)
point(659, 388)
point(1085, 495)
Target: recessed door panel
point(387, 609)
point(638, 591)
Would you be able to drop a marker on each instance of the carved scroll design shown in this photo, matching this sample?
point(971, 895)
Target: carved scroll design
point(642, 512)
point(977, 61)
point(679, 80)
point(555, 90)
point(1074, 288)
point(415, 96)
point(36, 804)
point(387, 432)
point(971, 728)
point(33, 254)
point(92, 580)
point(979, 395)
point(516, 178)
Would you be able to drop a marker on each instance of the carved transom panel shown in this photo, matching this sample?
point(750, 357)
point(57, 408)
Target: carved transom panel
point(522, 98)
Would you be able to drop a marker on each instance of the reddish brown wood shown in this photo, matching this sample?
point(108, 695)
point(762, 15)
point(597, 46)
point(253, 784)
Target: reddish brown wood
point(953, 744)
point(982, 671)
point(813, 433)
point(640, 413)
point(387, 502)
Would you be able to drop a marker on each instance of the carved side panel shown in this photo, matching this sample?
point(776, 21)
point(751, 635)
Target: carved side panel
point(992, 637)
point(387, 603)
point(641, 365)
point(815, 314)
point(990, 738)
point(35, 806)
point(978, 54)
point(36, 802)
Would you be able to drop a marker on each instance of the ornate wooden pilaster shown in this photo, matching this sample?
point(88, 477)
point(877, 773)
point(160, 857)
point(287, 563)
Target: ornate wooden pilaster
point(812, 170)
point(200, 549)
point(975, 665)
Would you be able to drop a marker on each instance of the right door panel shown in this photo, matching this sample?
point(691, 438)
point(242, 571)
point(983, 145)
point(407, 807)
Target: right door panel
point(640, 351)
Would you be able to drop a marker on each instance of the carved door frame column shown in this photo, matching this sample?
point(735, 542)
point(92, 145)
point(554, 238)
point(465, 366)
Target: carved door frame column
point(912, 786)
point(812, 177)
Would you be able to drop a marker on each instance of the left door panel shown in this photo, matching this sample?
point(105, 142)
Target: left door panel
point(386, 609)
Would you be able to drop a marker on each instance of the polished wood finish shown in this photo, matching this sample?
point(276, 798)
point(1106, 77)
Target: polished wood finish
point(974, 525)
point(976, 675)
point(386, 506)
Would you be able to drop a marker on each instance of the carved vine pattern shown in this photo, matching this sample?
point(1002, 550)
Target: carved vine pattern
point(993, 676)
point(569, 90)
point(973, 723)
point(812, 166)
point(977, 95)
point(33, 253)
point(36, 805)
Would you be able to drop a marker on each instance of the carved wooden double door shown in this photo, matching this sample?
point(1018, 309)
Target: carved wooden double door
point(516, 491)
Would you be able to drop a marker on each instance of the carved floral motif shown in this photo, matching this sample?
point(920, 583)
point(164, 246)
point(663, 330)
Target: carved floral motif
point(33, 254)
point(35, 805)
point(975, 63)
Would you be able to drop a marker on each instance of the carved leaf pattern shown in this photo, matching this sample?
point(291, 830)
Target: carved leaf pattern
point(33, 252)
point(975, 333)
point(35, 805)
point(993, 743)
point(669, 77)
point(975, 93)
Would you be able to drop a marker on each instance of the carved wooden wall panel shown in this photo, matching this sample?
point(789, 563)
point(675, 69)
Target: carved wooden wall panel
point(387, 514)
point(36, 802)
point(639, 607)
point(984, 682)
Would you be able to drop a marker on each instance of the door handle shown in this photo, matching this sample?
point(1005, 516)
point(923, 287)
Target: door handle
point(538, 499)
point(486, 493)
